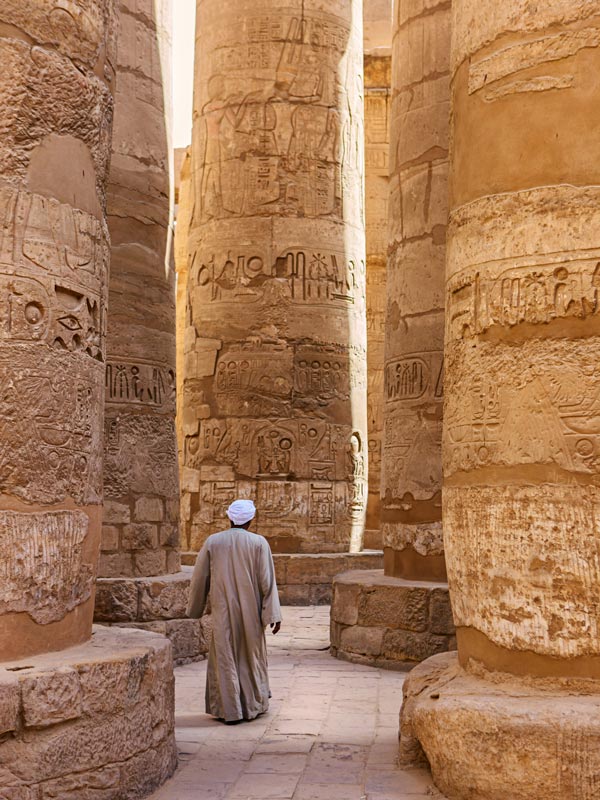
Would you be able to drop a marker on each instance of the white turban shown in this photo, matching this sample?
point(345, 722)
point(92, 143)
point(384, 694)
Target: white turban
point(241, 511)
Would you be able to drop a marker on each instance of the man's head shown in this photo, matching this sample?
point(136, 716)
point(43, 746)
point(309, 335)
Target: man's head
point(241, 513)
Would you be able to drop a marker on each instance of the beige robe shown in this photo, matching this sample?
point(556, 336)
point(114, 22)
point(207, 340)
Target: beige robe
point(236, 569)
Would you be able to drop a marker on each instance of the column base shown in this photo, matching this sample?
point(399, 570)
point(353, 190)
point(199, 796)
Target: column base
point(157, 604)
point(389, 622)
point(92, 721)
point(501, 737)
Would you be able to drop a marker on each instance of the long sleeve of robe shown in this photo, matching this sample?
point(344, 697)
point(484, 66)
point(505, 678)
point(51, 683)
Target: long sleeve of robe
point(235, 570)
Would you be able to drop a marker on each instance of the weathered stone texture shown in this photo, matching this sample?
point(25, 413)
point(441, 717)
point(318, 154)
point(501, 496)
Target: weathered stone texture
point(94, 721)
point(140, 469)
point(377, 105)
point(521, 427)
point(156, 604)
point(389, 622)
point(274, 397)
point(411, 471)
point(55, 117)
point(475, 732)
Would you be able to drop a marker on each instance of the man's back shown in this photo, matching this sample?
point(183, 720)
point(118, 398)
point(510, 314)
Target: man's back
point(235, 568)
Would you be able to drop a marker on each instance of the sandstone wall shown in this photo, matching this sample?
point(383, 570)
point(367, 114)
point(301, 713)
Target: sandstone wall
point(140, 534)
point(411, 472)
point(55, 117)
point(274, 399)
point(522, 428)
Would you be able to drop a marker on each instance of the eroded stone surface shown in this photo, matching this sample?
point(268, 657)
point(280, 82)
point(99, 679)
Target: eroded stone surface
point(389, 622)
point(116, 693)
point(55, 116)
point(477, 731)
point(411, 473)
point(274, 398)
point(521, 429)
point(140, 468)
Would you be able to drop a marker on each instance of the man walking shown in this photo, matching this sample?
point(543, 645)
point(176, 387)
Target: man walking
point(235, 567)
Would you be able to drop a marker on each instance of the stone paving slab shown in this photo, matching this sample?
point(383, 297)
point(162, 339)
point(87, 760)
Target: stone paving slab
point(331, 732)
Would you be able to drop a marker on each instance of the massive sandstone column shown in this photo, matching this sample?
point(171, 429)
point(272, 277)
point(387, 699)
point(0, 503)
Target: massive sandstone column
point(522, 430)
point(404, 615)
point(55, 125)
point(377, 106)
point(412, 447)
point(65, 692)
point(140, 561)
point(275, 375)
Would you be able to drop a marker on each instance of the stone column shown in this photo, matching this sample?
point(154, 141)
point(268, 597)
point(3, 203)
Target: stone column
point(404, 615)
point(275, 376)
point(377, 106)
point(56, 110)
point(55, 138)
point(183, 200)
point(140, 561)
point(521, 425)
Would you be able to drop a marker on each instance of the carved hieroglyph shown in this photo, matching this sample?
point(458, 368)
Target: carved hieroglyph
point(55, 117)
point(522, 425)
point(140, 534)
point(275, 362)
point(411, 472)
point(377, 105)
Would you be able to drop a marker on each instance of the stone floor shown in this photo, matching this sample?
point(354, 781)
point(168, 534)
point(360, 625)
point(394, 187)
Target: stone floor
point(331, 732)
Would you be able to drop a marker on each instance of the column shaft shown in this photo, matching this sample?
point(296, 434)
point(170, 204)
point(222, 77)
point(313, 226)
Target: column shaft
point(140, 534)
point(55, 118)
point(412, 459)
point(275, 369)
point(522, 430)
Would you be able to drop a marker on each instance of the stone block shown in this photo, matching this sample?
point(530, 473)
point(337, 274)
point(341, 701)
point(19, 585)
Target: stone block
point(149, 563)
point(145, 772)
point(366, 641)
point(168, 534)
point(314, 569)
point(173, 561)
point(172, 508)
point(335, 633)
point(163, 599)
point(10, 702)
point(187, 638)
point(190, 480)
point(149, 509)
point(51, 697)
point(115, 565)
point(395, 607)
point(116, 513)
point(97, 784)
point(106, 686)
point(345, 603)
point(116, 600)
point(110, 538)
point(440, 612)
point(139, 536)
point(412, 646)
point(189, 339)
